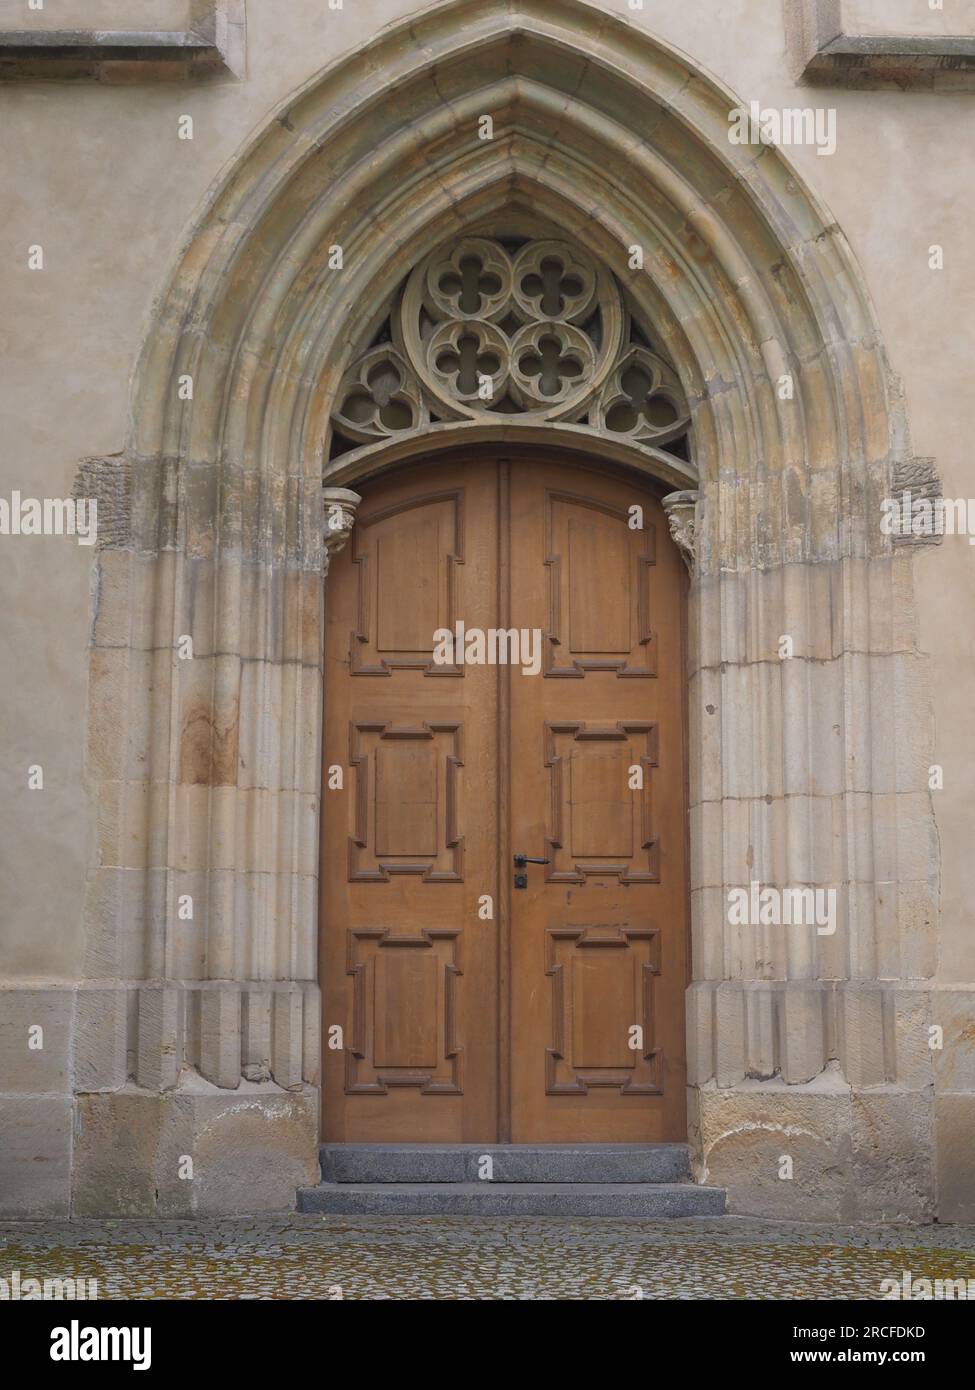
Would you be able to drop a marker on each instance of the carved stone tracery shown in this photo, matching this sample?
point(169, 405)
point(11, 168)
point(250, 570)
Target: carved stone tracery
point(482, 328)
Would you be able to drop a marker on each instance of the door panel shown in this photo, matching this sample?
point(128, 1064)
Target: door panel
point(449, 769)
point(598, 938)
point(410, 840)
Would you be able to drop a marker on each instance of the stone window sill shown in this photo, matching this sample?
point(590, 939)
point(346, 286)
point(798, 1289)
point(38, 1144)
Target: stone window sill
point(148, 55)
point(827, 50)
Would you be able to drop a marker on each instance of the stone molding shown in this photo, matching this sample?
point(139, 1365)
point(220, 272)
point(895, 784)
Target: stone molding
point(827, 50)
point(511, 431)
point(215, 46)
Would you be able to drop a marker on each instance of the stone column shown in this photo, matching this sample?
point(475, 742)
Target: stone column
point(197, 1048)
point(809, 1060)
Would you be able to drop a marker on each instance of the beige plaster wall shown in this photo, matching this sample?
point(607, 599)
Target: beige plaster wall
point(914, 17)
point(98, 176)
point(101, 14)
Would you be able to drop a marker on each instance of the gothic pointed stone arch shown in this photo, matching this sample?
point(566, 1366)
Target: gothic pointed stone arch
point(758, 306)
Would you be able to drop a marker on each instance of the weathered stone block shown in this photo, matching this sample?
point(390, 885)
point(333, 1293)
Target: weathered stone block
point(35, 1156)
point(126, 1150)
point(220, 1058)
point(802, 1022)
point(892, 1176)
point(196, 1151)
point(753, 1137)
point(255, 1149)
point(862, 1035)
point(761, 1003)
point(729, 1033)
point(911, 1019)
point(159, 1038)
point(955, 1137)
point(698, 1006)
point(954, 1063)
point(101, 1047)
point(36, 1031)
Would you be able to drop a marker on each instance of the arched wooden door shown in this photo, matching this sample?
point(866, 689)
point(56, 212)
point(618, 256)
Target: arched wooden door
point(479, 999)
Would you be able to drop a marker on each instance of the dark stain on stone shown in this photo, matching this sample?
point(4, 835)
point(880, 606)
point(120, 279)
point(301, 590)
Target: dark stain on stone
point(208, 748)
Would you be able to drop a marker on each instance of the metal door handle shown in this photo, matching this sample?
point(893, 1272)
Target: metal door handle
point(522, 859)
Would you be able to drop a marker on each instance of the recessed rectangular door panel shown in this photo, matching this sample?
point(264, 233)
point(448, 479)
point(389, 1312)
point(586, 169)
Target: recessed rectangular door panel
point(599, 935)
point(409, 838)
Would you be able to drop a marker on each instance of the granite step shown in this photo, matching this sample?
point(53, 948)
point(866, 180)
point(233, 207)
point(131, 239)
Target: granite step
point(649, 1201)
point(511, 1163)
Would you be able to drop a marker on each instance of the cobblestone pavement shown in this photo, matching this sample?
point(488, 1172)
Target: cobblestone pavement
point(491, 1258)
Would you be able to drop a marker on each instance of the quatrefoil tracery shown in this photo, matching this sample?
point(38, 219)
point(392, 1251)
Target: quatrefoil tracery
point(541, 332)
point(552, 281)
point(472, 282)
point(468, 359)
point(549, 361)
point(532, 333)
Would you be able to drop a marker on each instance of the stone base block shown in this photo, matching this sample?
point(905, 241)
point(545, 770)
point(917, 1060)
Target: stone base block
point(955, 1128)
point(196, 1151)
point(35, 1156)
point(819, 1151)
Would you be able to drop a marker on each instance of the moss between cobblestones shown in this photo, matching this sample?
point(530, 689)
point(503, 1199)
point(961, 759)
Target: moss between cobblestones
point(456, 1259)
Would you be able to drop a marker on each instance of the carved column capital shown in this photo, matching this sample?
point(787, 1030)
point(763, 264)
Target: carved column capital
point(339, 506)
point(681, 509)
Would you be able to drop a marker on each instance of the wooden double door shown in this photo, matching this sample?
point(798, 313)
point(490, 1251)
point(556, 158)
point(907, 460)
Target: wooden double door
point(468, 997)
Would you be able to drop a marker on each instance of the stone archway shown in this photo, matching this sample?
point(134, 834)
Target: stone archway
point(208, 923)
